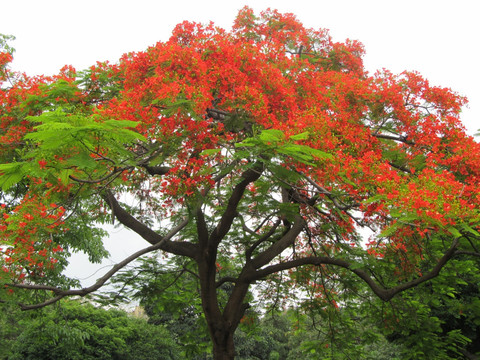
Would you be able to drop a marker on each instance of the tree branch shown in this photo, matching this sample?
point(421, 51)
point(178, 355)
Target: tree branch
point(129, 221)
point(202, 229)
point(469, 253)
point(402, 139)
point(228, 216)
point(251, 249)
point(380, 291)
point(329, 195)
point(156, 170)
point(225, 280)
point(97, 181)
point(61, 293)
point(401, 168)
point(278, 247)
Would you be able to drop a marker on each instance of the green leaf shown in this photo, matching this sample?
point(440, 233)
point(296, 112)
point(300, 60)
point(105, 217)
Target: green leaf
point(452, 230)
point(395, 213)
point(64, 176)
point(210, 152)
point(271, 135)
point(470, 230)
point(389, 231)
point(82, 161)
point(247, 143)
point(375, 198)
point(302, 136)
point(356, 266)
point(303, 153)
point(11, 174)
point(284, 173)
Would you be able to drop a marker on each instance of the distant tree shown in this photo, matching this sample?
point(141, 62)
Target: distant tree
point(255, 154)
point(9, 329)
point(441, 319)
point(80, 331)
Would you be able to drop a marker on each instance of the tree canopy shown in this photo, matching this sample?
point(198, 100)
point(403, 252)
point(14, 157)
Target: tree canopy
point(266, 154)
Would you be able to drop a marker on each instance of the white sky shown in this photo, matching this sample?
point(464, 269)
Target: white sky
point(438, 38)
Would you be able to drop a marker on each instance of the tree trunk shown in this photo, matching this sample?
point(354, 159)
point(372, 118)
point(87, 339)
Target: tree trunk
point(223, 346)
point(221, 330)
point(221, 324)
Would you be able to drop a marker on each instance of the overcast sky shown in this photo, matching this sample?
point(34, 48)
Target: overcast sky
point(440, 39)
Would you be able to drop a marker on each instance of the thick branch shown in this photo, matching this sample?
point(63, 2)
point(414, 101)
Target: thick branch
point(228, 216)
point(251, 249)
point(156, 170)
point(225, 280)
point(129, 221)
point(278, 247)
point(469, 253)
point(380, 291)
point(61, 293)
point(217, 114)
point(402, 139)
point(202, 229)
point(402, 168)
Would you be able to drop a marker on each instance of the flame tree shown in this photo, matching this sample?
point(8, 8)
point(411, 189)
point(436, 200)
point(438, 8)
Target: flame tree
point(250, 152)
